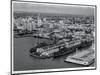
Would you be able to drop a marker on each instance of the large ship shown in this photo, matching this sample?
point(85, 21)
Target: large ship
point(55, 50)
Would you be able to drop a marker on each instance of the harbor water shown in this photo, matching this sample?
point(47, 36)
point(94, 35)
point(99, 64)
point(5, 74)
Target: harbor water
point(23, 61)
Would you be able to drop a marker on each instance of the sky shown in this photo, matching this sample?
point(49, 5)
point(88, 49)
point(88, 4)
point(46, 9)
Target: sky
point(53, 8)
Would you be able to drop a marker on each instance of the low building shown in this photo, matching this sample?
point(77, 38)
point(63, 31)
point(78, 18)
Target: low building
point(50, 52)
point(40, 50)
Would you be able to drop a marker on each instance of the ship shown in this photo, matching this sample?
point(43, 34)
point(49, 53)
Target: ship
point(56, 50)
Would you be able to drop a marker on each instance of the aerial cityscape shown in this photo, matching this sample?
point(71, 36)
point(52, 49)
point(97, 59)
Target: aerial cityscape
point(42, 40)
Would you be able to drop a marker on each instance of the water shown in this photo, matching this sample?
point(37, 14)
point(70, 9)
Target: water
point(23, 61)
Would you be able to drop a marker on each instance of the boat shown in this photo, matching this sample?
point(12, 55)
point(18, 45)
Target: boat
point(55, 50)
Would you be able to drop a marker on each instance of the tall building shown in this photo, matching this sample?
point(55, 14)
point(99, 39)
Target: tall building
point(39, 21)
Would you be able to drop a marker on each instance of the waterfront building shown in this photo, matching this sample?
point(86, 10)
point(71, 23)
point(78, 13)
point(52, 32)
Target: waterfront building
point(40, 50)
point(50, 52)
point(73, 43)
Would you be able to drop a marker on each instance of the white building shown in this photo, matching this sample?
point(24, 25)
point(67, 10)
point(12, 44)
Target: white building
point(50, 52)
point(39, 23)
point(40, 50)
point(61, 22)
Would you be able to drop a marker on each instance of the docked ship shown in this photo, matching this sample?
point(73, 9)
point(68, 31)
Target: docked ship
point(55, 50)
